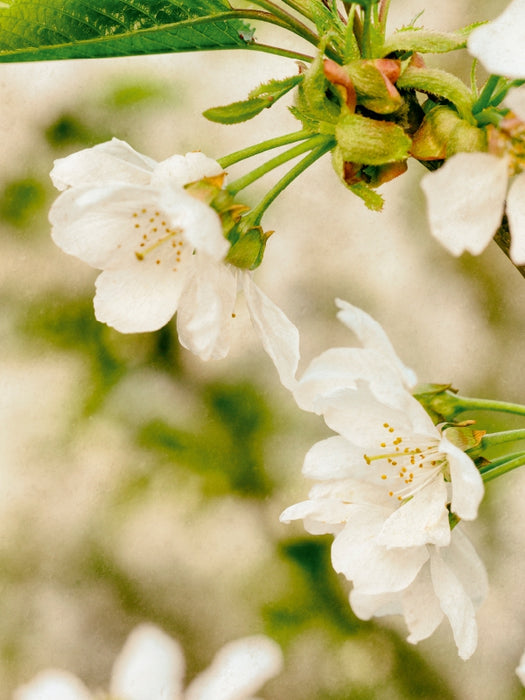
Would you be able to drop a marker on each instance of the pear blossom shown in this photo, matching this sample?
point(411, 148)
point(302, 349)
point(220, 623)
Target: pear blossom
point(151, 667)
point(498, 45)
point(161, 250)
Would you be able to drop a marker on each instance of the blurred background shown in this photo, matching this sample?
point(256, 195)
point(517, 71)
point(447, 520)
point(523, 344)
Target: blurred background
point(139, 484)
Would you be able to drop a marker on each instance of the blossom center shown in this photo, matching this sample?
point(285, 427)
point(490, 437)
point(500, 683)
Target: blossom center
point(155, 240)
point(406, 464)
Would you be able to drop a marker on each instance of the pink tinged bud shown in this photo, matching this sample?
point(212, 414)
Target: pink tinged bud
point(337, 75)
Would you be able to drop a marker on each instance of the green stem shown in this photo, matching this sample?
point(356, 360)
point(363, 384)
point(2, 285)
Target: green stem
point(366, 47)
point(277, 51)
point(257, 148)
point(501, 466)
point(283, 19)
point(484, 99)
point(461, 404)
point(237, 185)
point(257, 213)
point(500, 438)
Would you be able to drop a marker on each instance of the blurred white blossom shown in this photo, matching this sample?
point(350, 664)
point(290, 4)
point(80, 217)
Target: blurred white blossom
point(466, 202)
point(499, 44)
point(161, 250)
point(520, 670)
point(151, 667)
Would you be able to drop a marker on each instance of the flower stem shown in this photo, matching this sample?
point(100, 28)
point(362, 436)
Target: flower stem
point(484, 99)
point(257, 148)
point(287, 20)
point(460, 404)
point(500, 438)
point(242, 182)
point(501, 466)
point(277, 51)
point(258, 211)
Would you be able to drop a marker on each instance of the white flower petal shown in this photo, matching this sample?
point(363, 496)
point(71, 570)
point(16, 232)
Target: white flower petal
point(421, 607)
point(180, 170)
point(372, 568)
point(467, 484)
point(205, 310)
point(422, 520)
point(238, 670)
point(456, 605)
point(366, 606)
point(112, 161)
point(373, 337)
point(359, 417)
point(516, 215)
point(515, 100)
point(499, 44)
point(149, 667)
point(340, 368)
point(463, 559)
point(279, 336)
point(137, 303)
point(53, 685)
point(201, 225)
point(466, 198)
point(319, 516)
point(97, 224)
point(334, 458)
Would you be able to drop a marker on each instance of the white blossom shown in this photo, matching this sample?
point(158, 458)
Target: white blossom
point(151, 667)
point(161, 250)
point(386, 483)
point(466, 202)
point(499, 44)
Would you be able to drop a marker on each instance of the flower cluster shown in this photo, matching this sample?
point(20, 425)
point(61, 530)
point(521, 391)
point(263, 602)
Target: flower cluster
point(387, 486)
point(151, 667)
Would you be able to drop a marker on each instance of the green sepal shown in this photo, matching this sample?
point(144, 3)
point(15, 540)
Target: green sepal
point(372, 199)
point(438, 400)
point(443, 133)
point(260, 98)
point(371, 142)
point(463, 435)
point(317, 103)
point(248, 250)
point(371, 89)
point(414, 39)
point(435, 82)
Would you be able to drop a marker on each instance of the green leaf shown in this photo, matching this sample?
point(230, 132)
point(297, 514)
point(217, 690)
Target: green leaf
point(260, 98)
point(60, 29)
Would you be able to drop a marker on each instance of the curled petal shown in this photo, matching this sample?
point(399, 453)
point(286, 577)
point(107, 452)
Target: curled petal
point(499, 44)
point(53, 685)
point(373, 337)
point(112, 161)
point(205, 311)
point(180, 170)
point(456, 605)
point(334, 458)
point(238, 670)
point(421, 607)
point(149, 667)
point(466, 198)
point(200, 224)
point(516, 215)
point(279, 336)
point(467, 484)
